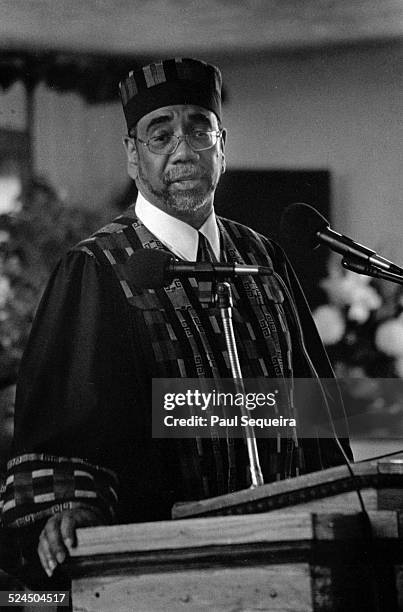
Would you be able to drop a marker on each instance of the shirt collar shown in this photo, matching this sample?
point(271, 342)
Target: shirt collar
point(180, 238)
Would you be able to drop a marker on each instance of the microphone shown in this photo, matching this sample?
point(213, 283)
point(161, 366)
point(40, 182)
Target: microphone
point(303, 225)
point(153, 269)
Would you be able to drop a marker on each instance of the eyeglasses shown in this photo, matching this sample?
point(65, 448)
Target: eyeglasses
point(166, 143)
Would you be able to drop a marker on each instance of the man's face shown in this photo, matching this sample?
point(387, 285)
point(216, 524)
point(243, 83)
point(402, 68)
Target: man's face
point(181, 183)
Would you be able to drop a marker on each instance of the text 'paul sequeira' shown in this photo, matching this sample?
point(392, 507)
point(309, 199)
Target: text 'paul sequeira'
point(234, 421)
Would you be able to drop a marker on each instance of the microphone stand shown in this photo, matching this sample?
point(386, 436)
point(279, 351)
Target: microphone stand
point(223, 298)
point(369, 269)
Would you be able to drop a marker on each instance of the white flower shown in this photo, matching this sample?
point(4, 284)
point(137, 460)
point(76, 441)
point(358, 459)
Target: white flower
point(358, 312)
point(389, 337)
point(10, 191)
point(330, 323)
point(346, 288)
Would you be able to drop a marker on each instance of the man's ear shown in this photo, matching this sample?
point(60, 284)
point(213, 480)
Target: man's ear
point(222, 144)
point(132, 157)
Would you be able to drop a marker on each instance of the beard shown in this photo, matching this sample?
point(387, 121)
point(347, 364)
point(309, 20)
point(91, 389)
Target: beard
point(180, 200)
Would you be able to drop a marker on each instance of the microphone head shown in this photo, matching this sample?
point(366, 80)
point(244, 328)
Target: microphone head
point(299, 225)
point(149, 268)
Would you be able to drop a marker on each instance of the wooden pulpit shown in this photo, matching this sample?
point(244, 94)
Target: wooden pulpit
point(308, 550)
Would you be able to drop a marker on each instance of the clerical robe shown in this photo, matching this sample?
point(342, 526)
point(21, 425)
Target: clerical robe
point(83, 410)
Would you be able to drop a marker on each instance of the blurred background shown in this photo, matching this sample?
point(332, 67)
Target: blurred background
point(312, 105)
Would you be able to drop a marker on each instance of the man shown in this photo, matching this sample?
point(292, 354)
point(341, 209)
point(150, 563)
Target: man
point(84, 398)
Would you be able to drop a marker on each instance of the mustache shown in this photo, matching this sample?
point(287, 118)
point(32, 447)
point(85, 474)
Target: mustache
point(182, 173)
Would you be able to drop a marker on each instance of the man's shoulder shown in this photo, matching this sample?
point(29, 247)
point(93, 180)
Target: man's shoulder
point(241, 231)
point(109, 235)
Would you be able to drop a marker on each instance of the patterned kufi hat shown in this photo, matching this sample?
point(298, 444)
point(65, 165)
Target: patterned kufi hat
point(170, 82)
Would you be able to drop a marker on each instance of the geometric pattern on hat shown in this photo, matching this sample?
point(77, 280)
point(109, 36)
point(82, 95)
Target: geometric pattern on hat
point(170, 82)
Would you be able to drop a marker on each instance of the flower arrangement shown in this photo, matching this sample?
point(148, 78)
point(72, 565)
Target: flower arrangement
point(33, 237)
point(361, 326)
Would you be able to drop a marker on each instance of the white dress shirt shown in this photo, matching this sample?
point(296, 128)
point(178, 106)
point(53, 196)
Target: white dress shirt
point(180, 238)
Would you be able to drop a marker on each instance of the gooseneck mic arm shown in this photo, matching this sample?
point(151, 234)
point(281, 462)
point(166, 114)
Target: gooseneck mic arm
point(355, 265)
point(358, 252)
point(303, 225)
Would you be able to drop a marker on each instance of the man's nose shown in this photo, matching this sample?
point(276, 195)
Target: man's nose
point(184, 150)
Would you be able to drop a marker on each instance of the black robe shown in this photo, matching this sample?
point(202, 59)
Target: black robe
point(83, 409)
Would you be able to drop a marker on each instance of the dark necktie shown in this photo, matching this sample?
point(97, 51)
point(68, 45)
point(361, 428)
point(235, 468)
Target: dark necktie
point(204, 250)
